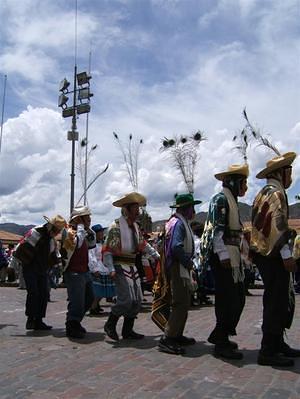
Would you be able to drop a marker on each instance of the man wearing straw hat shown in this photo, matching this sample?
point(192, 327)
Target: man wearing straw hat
point(123, 241)
point(79, 239)
point(178, 251)
point(220, 248)
point(273, 257)
point(37, 252)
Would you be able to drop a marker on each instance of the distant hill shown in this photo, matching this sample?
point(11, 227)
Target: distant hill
point(15, 228)
point(245, 212)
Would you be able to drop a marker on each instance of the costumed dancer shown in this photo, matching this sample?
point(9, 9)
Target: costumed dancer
point(170, 312)
point(75, 246)
point(37, 252)
point(123, 241)
point(220, 248)
point(273, 257)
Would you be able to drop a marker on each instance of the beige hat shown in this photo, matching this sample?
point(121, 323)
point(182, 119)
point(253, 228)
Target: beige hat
point(131, 198)
point(80, 211)
point(277, 163)
point(57, 221)
point(234, 170)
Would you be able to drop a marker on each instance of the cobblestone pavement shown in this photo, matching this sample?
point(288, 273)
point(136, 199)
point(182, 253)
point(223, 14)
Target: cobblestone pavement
point(47, 365)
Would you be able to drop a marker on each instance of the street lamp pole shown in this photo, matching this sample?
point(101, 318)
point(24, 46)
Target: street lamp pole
point(81, 105)
point(73, 138)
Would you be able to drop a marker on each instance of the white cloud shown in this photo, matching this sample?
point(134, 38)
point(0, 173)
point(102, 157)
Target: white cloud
point(171, 71)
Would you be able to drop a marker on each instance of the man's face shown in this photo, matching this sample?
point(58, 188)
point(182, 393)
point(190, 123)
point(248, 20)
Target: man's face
point(86, 220)
point(188, 212)
point(99, 236)
point(287, 177)
point(243, 187)
point(133, 211)
point(54, 232)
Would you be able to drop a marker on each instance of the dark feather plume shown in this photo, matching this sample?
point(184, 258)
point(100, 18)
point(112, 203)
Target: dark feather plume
point(257, 136)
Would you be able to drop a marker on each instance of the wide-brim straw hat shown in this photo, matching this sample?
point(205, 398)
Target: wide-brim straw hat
point(57, 221)
point(80, 211)
point(131, 198)
point(183, 200)
point(242, 170)
point(277, 163)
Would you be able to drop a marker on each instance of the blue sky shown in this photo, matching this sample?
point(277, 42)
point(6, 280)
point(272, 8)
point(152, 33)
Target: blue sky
point(159, 68)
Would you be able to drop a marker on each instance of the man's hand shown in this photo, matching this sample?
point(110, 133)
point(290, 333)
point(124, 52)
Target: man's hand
point(225, 263)
point(97, 274)
point(113, 275)
point(290, 264)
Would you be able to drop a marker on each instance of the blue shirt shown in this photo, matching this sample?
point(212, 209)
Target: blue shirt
point(177, 245)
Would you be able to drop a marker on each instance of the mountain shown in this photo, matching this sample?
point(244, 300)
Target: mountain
point(245, 212)
point(15, 228)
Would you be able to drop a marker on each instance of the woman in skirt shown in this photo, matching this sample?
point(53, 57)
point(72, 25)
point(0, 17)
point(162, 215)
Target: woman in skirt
point(103, 285)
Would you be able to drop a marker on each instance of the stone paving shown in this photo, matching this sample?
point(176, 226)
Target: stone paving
point(47, 365)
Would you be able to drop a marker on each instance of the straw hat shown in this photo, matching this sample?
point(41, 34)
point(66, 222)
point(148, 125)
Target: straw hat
point(80, 211)
point(277, 163)
point(57, 221)
point(131, 198)
point(182, 200)
point(242, 170)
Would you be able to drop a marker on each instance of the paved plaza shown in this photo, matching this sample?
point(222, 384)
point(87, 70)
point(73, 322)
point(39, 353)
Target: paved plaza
point(47, 365)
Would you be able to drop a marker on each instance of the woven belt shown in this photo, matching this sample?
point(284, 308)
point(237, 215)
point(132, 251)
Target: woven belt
point(124, 259)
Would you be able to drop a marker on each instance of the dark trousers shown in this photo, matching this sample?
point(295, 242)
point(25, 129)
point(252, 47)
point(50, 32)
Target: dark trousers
point(229, 299)
point(80, 294)
point(180, 302)
point(37, 293)
point(278, 301)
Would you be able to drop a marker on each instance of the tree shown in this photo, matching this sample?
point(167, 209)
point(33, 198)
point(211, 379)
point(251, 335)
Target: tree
point(184, 153)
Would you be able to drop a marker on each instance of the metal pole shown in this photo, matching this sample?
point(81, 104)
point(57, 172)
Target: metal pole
point(86, 146)
point(3, 105)
point(74, 134)
point(74, 137)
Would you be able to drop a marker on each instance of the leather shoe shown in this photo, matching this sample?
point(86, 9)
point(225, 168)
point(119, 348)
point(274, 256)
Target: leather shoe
point(169, 345)
point(274, 360)
point(30, 324)
point(111, 332)
point(40, 325)
point(82, 329)
point(133, 335)
point(213, 339)
point(287, 351)
point(183, 340)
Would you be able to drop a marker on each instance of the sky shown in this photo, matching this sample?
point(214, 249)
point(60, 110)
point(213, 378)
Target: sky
point(160, 68)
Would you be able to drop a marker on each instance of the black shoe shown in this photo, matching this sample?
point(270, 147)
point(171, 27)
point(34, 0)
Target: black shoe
point(133, 335)
point(82, 329)
point(41, 326)
point(30, 323)
point(169, 345)
point(96, 312)
point(206, 301)
point(111, 332)
point(127, 329)
point(274, 360)
point(183, 340)
point(213, 339)
point(287, 351)
point(227, 352)
point(233, 345)
point(73, 329)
